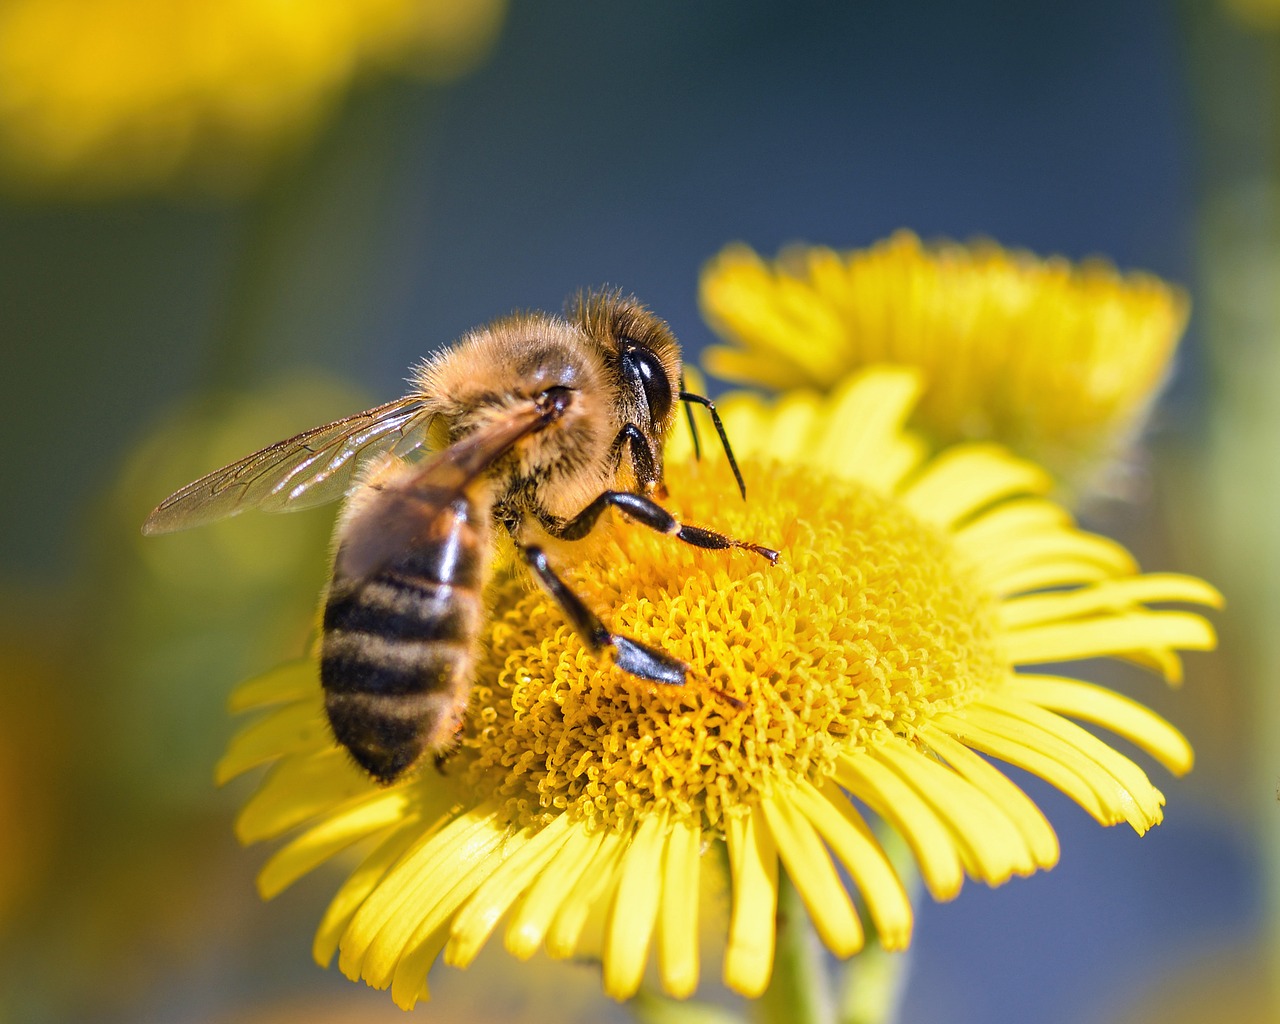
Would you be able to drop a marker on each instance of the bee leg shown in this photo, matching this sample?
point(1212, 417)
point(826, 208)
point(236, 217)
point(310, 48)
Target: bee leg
point(649, 513)
point(629, 655)
point(642, 462)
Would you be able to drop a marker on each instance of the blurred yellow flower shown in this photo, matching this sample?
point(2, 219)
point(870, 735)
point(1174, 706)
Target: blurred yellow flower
point(111, 95)
point(1058, 361)
point(875, 663)
point(1257, 14)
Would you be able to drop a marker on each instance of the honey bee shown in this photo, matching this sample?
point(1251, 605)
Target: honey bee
point(533, 425)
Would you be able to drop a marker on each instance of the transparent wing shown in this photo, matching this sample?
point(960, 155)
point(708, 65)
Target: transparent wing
point(314, 467)
point(408, 508)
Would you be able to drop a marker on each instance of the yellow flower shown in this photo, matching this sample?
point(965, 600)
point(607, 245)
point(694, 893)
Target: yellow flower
point(1059, 362)
point(876, 662)
point(108, 95)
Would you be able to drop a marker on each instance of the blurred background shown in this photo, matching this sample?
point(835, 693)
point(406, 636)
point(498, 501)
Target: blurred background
point(221, 223)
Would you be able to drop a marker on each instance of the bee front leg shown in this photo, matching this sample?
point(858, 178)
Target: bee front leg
point(629, 655)
point(649, 513)
point(642, 462)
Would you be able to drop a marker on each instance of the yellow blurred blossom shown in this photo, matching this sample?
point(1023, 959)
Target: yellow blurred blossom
point(1059, 361)
point(875, 665)
point(113, 95)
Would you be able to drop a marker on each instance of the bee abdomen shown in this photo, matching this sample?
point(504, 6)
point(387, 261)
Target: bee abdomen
point(396, 664)
point(393, 608)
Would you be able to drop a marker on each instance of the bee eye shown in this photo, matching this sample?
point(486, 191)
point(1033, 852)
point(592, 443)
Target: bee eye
point(640, 366)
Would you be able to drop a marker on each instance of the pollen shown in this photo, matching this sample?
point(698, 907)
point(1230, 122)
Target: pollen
point(867, 623)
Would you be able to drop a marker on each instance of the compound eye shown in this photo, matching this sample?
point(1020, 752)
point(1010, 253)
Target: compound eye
point(641, 366)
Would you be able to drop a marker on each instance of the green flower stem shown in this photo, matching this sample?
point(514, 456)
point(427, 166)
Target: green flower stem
point(798, 991)
point(653, 1008)
point(875, 980)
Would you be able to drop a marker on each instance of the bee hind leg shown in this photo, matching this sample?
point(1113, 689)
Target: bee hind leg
point(629, 655)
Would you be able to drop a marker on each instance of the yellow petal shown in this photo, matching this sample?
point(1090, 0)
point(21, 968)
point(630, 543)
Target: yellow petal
point(296, 680)
point(299, 788)
point(753, 860)
point(409, 984)
point(678, 913)
point(1110, 634)
point(965, 478)
point(1016, 518)
point(387, 918)
point(475, 922)
point(591, 889)
point(862, 435)
point(965, 727)
point(1051, 559)
point(1136, 723)
point(297, 728)
point(994, 843)
point(634, 910)
point(1114, 800)
point(334, 833)
point(891, 798)
point(1029, 819)
point(419, 952)
point(842, 827)
point(793, 422)
point(532, 918)
point(355, 890)
point(1131, 778)
point(1111, 596)
point(809, 867)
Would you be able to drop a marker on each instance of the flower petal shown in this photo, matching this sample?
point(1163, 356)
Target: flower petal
point(590, 893)
point(1132, 778)
point(678, 912)
point(753, 860)
point(475, 922)
point(966, 478)
point(850, 839)
point(296, 728)
point(1112, 596)
point(297, 789)
point(1125, 717)
point(356, 889)
point(1052, 559)
point(532, 919)
point(295, 680)
point(379, 930)
point(337, 831)
point(1133, 631)
point(896, 802)
point(1029, 819)
point(809, 867)
point(976, 822)
point(635, 909)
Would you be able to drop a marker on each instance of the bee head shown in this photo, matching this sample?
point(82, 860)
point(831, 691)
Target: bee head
point(642, 357)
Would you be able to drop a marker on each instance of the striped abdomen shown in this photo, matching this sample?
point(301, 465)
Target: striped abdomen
point(399, 645)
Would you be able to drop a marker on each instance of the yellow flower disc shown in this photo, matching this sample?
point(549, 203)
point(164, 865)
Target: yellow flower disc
point(868, 623)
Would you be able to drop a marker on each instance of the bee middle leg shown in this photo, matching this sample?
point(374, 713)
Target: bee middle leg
point(649, 513)
point(629, 655)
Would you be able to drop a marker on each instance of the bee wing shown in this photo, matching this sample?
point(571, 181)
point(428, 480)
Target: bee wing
point(314, 467)
point(405, 510)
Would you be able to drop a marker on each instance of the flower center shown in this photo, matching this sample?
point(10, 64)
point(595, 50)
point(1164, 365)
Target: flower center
point(868, 624)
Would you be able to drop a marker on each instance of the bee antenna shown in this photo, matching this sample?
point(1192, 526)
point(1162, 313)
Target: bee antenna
point(710, 406)
point(693, 426)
